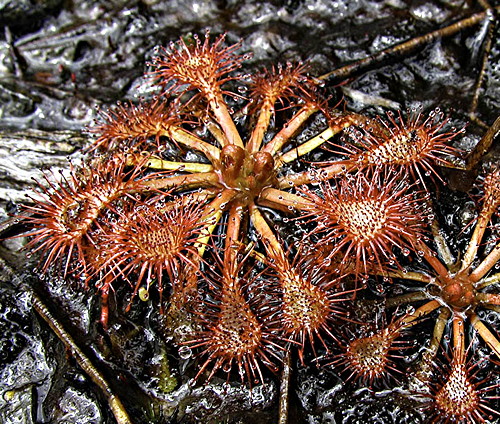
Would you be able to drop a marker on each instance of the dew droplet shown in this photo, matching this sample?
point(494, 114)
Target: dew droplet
point(185, 352)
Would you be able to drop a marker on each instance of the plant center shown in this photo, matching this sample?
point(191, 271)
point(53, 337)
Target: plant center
point(458, 291)
point(246, 173)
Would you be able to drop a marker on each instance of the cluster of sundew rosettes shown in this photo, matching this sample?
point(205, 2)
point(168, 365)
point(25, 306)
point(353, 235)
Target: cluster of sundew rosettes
point(460, 290)
point(174, 188)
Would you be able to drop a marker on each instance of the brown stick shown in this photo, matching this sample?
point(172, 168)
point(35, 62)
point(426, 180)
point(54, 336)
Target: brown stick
point(484, 145)
point(83, 361)
point(404, 47)
point(285, 388)
point(490, 16)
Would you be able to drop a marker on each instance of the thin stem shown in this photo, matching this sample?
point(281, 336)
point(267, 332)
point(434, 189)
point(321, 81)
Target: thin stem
point(406, 298)
point(305, 148)
point(182, 136)
point(486, 265)
point(439, 328)
point(442, 247)
point(157, 163)
point(178, 182)
point(232, 233)
point(336, 126)
point(316, 175)
point(280, 139)
point(482, 223)
point(265, 231)
point(488, 281)
point(425, 309)
point(211, 216)
point(212, 127)
point(488, 299)
point(266, 111)
point(199, 196)
point(405, 275)
point(458, 338)
point(224, 119)
point(283, 198)
point(489, 338)
point(425, 369)
point(432, 260)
